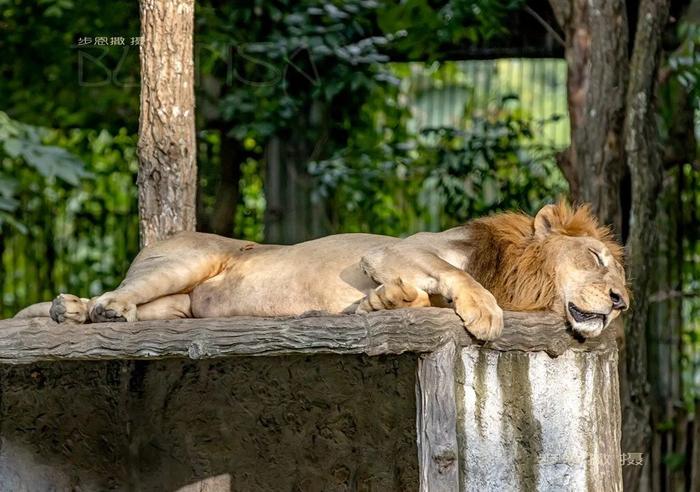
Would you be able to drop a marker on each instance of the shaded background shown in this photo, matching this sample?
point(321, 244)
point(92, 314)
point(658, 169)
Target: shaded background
point(316, 118)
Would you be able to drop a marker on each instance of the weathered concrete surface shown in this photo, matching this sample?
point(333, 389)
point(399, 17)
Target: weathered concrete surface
point(172, 405)
point(294, 423)
point(396, 331)
point(527, 421)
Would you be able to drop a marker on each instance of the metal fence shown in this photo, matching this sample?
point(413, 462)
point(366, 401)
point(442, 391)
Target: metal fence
point(444, 93)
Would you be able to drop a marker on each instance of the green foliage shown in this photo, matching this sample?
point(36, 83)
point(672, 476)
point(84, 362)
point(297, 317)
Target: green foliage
point(685, 61)
point(429, 28)
point(24, 145)
point(397, 175)
point(76, 236)
point(46, 79)
point(249, 223)
point(283, 65)
point(675, 461)
point(441, 179)
point(678, 105)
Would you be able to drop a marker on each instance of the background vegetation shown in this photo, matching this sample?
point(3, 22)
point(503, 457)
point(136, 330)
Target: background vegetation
point(316, 118)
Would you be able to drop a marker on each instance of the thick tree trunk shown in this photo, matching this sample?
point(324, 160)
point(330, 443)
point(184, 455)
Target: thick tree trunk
point(644, 163)
point(167, 147)
point(613, 136)
point(596, 40)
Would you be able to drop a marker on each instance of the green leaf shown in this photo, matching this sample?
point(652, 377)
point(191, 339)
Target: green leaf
point(8, 186)
point(675, 461)
point(52, 161)
point(8, 204)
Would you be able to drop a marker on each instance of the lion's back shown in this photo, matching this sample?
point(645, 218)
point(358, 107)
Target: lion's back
point(270, 280)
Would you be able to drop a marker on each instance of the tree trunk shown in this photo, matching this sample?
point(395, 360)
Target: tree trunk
point(613, 135)
point(167, 146)
point(596, 41)
point(644, 164)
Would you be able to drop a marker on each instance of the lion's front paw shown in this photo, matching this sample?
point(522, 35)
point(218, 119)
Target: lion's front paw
point(109, 307)
point(67, 308)
point(393, 295)
point(482, 315)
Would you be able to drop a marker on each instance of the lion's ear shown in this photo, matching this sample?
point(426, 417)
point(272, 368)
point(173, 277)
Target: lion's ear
point(545, 220)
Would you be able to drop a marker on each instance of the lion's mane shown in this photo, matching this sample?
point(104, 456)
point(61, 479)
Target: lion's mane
point(514, 264)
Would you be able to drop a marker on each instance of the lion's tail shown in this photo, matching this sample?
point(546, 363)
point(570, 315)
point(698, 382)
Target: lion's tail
point(38, 310)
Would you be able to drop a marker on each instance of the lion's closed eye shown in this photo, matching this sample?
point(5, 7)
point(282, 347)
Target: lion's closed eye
point(598, 257)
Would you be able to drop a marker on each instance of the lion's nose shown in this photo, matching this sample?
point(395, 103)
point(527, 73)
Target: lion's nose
point(617, 300)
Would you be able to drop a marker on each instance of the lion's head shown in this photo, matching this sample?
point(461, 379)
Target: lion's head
point(561, 260)
point(587, 267)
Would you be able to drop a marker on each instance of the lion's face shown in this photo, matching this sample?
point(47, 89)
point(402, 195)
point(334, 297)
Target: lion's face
point(590, 284)
point(589, 278)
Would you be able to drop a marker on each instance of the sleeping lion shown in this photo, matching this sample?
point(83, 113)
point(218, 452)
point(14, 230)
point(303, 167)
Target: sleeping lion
point(560, 260)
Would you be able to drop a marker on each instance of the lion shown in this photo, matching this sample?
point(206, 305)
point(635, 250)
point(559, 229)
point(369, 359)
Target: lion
point(561, 260)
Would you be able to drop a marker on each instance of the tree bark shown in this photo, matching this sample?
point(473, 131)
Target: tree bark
point(167, 146)
point(596, 41)
point(613, 135)
point(644, 164)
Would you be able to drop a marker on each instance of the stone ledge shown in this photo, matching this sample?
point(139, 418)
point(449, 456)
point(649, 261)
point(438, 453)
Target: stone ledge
point(385, 332)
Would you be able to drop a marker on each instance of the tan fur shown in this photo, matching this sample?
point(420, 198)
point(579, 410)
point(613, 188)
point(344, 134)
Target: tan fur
point(558, 259)
point(516, 266)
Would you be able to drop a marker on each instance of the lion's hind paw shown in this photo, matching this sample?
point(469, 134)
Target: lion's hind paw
point(108, 309)
point(67, 308)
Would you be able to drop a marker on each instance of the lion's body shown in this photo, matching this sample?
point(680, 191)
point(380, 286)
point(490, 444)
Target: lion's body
point(509, 261)
point(270, 280)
